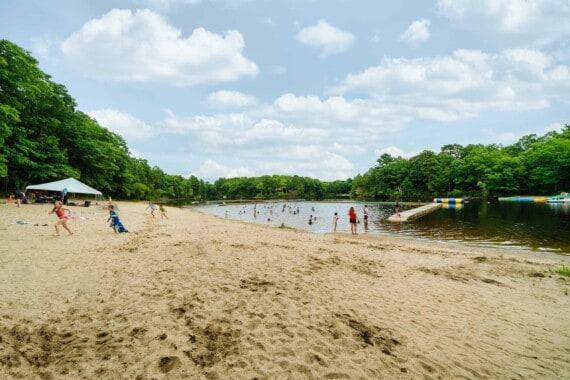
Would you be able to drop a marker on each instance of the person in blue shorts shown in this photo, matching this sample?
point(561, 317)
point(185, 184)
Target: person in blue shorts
point(115, 221)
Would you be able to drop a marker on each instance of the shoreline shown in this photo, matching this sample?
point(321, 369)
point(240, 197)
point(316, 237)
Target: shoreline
point(522, 250)
point(199, 296)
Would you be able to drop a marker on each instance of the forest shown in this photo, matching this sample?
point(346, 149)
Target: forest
point(44, 137)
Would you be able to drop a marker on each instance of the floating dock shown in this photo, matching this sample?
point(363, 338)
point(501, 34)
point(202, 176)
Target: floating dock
point(415, 213)
point(536, 199)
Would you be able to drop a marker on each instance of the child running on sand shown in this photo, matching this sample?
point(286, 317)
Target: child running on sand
point(115, 221)
point(162, 212)
point(152, 207)
point(62, 217)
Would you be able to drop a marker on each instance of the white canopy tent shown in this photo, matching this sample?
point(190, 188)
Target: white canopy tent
point(72, 185)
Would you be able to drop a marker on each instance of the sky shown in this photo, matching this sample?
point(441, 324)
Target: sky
point(316, 88)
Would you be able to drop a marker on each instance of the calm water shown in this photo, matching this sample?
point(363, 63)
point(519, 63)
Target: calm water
point(539, 227)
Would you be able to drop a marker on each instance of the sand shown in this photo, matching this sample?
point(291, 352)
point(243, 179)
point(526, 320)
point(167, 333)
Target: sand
point(200, 297)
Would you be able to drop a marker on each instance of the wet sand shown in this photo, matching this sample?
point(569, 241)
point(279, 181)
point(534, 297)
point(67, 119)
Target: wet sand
point(196, 296)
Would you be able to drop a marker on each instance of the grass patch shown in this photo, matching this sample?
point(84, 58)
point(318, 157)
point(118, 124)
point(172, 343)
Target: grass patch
point(564, 271)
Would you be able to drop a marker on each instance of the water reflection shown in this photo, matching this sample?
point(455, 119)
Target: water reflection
point(535, 226)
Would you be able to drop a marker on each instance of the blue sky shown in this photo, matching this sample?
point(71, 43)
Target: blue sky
point(318, 88)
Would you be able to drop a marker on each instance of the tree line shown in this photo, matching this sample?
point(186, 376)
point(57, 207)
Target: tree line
point(538, 165)
point(43, 137)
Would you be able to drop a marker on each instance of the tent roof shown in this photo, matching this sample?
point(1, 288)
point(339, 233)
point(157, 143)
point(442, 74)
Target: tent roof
point(71, 184)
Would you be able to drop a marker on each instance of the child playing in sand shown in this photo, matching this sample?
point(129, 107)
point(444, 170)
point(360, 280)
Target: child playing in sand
point(62, 217)
point(152, 207)
point(115, 221)
point(162, 212)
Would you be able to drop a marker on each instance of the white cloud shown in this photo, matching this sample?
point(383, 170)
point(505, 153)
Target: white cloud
point(275, 131)
point(164, 5)
point(167, 5)
point(231, 99)
point(211, 170)
point(315, 111)
point(500, 137)
point(122, 123)
point(239, 139)
point(329, 39)
point(143, 47)
point(463, 84)
point(553, 127)
point(43, 45)
point(527, 22)
point(394, 152)
point(416, 33)
point(324, 136)
point(205, 133)
point(312, 160)
point(137, 154)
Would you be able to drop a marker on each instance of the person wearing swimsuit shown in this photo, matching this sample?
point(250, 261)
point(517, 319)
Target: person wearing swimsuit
point(61, 217)
point(352, 217)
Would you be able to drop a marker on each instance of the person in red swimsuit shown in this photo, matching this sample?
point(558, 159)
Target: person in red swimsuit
point(352, 217)
point(61, 217)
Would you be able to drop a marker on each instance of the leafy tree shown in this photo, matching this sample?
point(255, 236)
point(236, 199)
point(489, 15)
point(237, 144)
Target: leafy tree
point(33, 108)
point(455, 151)
point(101, 155)
point(424, 173)
point(8, 116)
point(548, 165)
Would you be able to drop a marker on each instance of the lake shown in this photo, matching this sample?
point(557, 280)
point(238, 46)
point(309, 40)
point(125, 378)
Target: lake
point(540, 227)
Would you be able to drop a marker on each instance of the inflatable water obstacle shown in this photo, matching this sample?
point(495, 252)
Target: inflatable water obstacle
point(519, 198)
point(449, 200)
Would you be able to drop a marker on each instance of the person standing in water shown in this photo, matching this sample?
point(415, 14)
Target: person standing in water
point(365, 212)
point(335, 221)
point(62, 217)
point(352, 217)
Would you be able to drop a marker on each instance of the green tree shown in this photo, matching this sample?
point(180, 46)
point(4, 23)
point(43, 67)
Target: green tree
point(424, 173)
point(548, 165)
point(30, 106)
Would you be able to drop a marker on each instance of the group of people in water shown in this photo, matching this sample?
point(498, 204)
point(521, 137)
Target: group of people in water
point(353, 218)
point(267, 212)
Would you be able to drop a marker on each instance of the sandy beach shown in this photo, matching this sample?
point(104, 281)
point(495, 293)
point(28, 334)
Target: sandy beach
point(200, 297)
